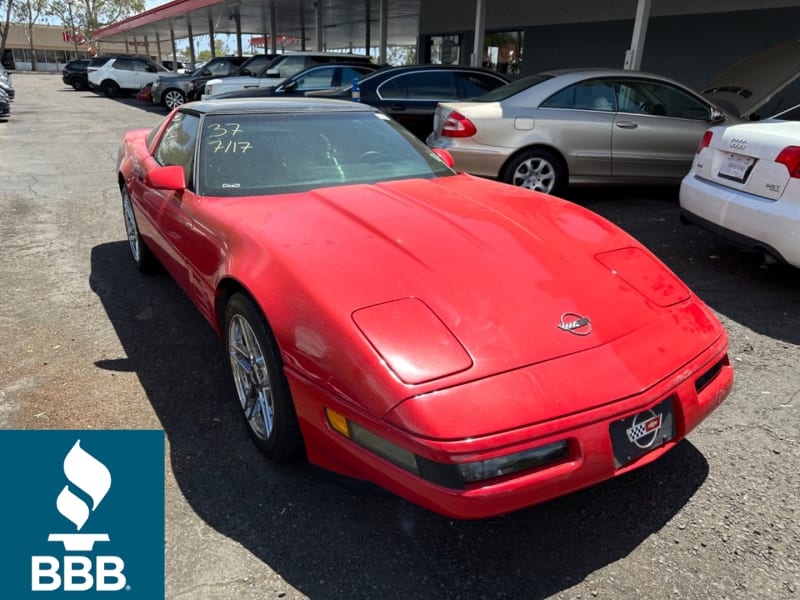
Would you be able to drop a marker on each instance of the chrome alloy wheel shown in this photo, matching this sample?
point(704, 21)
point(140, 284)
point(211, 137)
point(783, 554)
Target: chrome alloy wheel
point(535, 173)
point(130, 226)
point(251, 377)
point(173, 98)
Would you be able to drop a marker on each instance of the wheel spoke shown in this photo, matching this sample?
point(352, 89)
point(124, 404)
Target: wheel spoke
point(251, 376)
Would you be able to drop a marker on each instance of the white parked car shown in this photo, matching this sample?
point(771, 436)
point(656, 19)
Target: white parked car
point(745, 185)
point(123, 74)
point(281, 67)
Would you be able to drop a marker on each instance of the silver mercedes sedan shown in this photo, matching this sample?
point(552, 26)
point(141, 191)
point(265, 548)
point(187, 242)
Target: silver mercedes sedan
point(582, 126)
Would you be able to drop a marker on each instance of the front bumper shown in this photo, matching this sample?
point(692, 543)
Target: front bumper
point(695, 389)
point(746, 220)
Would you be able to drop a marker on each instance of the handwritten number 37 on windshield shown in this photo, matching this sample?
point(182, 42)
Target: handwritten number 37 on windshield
point(216, 134)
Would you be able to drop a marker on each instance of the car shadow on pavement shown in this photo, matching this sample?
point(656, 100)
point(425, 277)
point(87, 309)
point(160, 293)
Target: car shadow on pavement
point(735, 283)
point(328, 539)
point(130, 100)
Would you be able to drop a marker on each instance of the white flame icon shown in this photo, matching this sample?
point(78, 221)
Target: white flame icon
point(92, 477)
point(87, 474)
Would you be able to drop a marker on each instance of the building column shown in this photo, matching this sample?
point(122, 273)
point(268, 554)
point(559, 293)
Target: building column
point(158, 48)
point(318, 14)
point(211, 35)
point(191, 42)
point(383, 23)
point(633, 57)
point(273, 36)
point(476, 60)
point(172, 41)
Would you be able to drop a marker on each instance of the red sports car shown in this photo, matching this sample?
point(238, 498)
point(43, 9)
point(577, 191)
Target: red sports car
point(471, 346)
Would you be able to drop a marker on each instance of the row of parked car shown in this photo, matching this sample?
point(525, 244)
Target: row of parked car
point(541, 132)
point(6, 93)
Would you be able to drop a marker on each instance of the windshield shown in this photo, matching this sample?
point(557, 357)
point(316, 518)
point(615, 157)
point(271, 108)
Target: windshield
point(258, 154)
point(511, 89)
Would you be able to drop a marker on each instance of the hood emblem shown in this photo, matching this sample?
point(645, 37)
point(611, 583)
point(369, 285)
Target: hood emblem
point(575, 323)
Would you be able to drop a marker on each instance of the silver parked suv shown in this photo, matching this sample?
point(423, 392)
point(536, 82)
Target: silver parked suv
point(173, 90)
point(281, 67)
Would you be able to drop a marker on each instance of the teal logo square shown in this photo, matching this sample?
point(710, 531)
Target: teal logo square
point(83, 514)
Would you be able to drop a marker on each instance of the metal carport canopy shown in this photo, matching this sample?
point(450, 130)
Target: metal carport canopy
point(324, 24)
point(332, 24)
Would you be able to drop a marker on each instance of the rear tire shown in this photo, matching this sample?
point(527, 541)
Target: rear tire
point(110, 88)
point(536, 169)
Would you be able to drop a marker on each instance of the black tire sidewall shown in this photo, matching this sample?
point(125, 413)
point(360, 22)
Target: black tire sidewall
point(558, 168)
point(284, 442)
point(110, 88)
point(146, 262)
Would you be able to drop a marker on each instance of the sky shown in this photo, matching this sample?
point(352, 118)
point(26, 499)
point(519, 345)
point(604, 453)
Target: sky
point(155, 3)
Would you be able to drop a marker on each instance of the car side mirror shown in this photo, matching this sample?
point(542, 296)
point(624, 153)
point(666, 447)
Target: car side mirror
point(272, 73)
point(245, 72)
point(291, 86)
point(717, 116)
point(205, 73)
point(171, 177)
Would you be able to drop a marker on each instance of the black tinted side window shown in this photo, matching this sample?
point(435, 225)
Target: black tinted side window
point(123, 64)
point(595, 94)
point(394, 89)
point(178, 142)
point(476, 84)
point(432, 85)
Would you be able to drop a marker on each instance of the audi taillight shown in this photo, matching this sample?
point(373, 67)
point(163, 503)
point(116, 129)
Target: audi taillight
point(790, 156)
point(705, 142)
point(457, 125)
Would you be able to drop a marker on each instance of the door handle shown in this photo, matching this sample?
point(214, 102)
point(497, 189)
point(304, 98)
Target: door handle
point(397, 107)
point(627, 125)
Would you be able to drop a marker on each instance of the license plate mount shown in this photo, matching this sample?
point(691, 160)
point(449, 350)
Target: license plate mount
point(736, 167)
point(636, 435)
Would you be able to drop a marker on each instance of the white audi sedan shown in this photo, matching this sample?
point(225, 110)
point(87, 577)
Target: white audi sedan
point(745, 185)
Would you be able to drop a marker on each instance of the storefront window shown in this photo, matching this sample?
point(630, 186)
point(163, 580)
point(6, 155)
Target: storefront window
point(502, 51)
point(445, 49)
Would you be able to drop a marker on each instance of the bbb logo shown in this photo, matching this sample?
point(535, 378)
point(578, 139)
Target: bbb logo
point(91, 477)
point(83, 514)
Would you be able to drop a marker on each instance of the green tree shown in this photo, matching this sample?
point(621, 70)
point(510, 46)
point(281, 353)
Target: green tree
point(9, 6)
point(27, 13)
point(90, 15)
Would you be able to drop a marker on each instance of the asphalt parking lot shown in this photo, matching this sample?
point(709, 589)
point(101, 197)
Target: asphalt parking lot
point(88, 343)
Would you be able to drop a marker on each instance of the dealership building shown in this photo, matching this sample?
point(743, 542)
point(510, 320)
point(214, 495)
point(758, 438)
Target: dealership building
point(690, 40)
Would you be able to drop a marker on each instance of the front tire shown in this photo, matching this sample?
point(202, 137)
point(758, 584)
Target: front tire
point(144, 259)
point(260, 383)
point(173, 99)
point(538, 170)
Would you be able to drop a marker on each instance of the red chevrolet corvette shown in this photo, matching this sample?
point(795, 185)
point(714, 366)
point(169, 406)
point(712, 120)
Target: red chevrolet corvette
point(471, 346)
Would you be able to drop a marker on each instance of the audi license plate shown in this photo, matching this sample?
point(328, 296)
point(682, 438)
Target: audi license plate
point(737, 167)
point(641, 433)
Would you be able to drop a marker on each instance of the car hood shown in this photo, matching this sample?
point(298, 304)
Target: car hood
point(749, 84)
point(452, 279)
point(175, 77)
